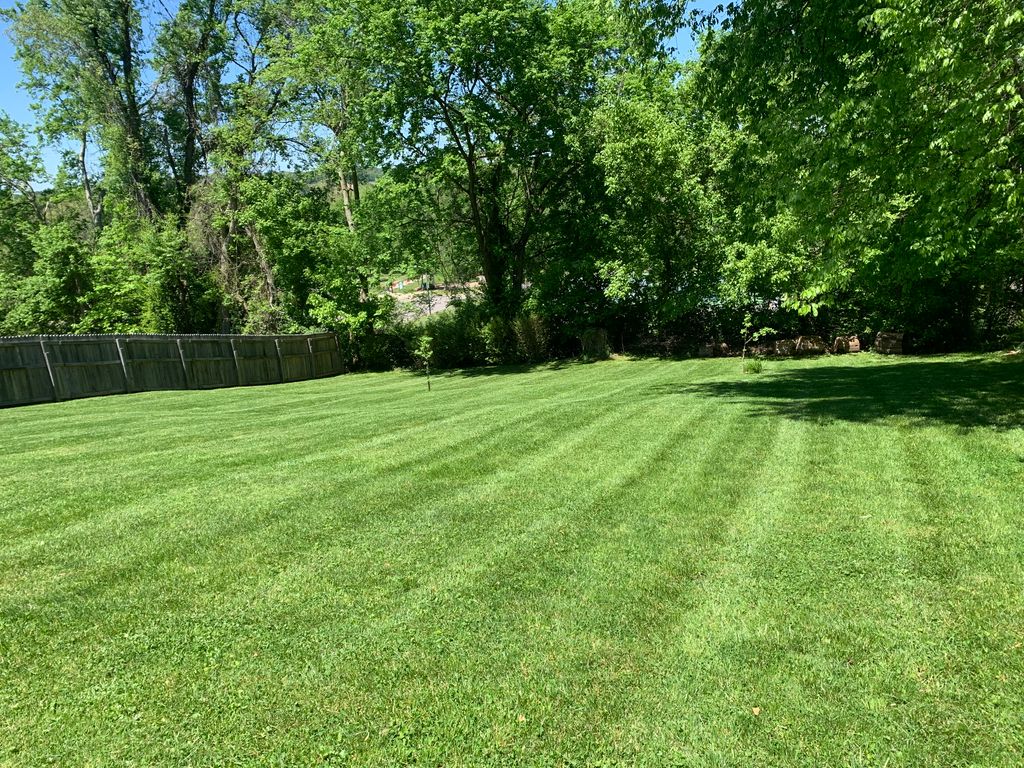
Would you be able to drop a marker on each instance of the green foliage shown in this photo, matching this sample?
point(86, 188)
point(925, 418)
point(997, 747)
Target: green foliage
point(531, 338)
point(145, 279)
point(663, 235)
point(52, 297)
point(424, 352)
point(457, 337)
point(753, 365)
point(181, 293)
point(877, 164)
point(823, 168)
point(500, 341)
point(465, 336)
point(487, 95)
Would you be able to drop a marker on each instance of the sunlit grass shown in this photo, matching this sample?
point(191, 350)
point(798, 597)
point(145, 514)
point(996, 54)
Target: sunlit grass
point(635, 562)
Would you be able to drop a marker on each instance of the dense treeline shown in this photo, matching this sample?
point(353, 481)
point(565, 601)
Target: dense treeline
point(828, 167)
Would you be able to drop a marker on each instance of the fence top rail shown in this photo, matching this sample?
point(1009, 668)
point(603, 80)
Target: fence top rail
point(36, 338)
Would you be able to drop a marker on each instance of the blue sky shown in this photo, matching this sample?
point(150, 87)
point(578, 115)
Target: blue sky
point(12, 100)
point(16, 103)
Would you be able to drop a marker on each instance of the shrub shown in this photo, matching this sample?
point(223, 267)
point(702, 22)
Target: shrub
point(457, 334)
point(383, 349)
point(265, 318)
point(500, 340)
point(752, 365)
point(531, 338)
point(461, 337)
point(595, 344)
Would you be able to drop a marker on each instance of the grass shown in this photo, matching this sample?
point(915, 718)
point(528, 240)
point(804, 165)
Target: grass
point(753, 365)
point(629, 562)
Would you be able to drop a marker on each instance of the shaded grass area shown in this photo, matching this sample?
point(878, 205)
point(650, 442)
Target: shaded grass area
point(641, 562)
point(966, 391)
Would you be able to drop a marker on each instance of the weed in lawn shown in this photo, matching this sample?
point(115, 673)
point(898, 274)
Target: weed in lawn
point(752, 365)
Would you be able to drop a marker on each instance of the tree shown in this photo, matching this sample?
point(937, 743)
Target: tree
point(664, 232)
point(21, 207)
point(52, 298)
point(883, 145)
point(83, 61)
point(193, 53)
point(485, 97)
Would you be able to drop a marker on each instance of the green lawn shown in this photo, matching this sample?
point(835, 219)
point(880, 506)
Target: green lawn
point(652, 563)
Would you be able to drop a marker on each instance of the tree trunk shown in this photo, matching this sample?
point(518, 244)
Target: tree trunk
point(95, 208)
point(350, 201)
point(263, 262)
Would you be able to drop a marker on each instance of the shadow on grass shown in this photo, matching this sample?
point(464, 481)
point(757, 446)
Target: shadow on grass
point(505, 370)
point(975, 392)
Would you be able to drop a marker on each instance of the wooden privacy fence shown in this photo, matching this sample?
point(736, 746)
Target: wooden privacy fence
point(38, 369)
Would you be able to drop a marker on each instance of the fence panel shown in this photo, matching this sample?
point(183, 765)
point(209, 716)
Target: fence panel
point(153, 363)
point(257, 361)
point(24, 377)
point(296, 362)
point(35, 369)
point(210, 362)
point(85, 366)
point(326, 358)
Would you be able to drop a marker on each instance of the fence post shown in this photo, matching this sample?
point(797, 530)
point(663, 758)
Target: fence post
point(122, 352)
point(238, 368)
point(184, 364)
point(49, 369)
point(280, 361)
point(312, 356)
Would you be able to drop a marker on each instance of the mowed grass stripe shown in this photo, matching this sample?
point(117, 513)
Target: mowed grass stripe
point(562, 448)
point(501, 587)
point(837, 589)
point(170, 530)
point(163, 441)
point(235, 472)
point(591, 563)
point(969, 559)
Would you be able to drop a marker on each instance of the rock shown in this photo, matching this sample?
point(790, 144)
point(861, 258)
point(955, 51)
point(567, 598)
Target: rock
point(889, 342)
point(785, 347)
point(810, 345)
point(846, 344)
point(722, 350)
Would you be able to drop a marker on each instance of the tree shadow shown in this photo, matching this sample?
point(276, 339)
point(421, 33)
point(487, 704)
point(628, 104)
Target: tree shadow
point(973, 392)
point(506, 370)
